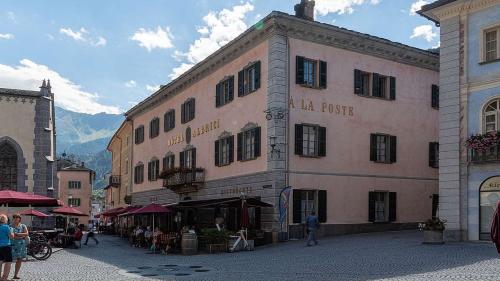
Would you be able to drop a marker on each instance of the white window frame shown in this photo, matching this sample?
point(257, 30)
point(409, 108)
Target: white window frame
point(482, 42)
point(493, 113)
point(307, 141)
point(248, 147)
point(385, 203)
point(308, 205)
point(224, 150)
point(311, 72)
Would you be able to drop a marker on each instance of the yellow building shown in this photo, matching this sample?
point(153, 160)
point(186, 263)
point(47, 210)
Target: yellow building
point(119, 187)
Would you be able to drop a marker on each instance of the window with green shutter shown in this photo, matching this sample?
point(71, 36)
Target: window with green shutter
point(383, 148)
point(311, 73)
point(249, 79)
point(224, 91)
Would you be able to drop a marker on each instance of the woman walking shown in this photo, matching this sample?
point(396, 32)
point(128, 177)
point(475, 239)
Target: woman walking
point(5, 248)
point(19, 250)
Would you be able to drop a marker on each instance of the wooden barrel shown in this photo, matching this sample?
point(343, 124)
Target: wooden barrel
point(189, 244)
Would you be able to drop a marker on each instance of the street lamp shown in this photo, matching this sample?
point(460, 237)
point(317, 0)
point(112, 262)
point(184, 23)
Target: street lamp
point(273, 144)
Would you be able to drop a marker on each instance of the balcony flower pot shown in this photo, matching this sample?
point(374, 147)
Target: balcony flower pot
point(433, 231)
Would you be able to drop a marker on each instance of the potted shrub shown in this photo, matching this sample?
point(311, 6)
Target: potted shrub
point(433, 230)
point(216, 240)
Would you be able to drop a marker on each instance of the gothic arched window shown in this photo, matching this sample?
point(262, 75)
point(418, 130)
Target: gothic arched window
point(8, 167)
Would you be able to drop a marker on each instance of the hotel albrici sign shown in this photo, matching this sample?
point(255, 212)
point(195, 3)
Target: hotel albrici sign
point(196, 132)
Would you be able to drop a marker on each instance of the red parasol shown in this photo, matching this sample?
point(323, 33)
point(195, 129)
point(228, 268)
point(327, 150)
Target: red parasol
point(68, 211)
point(15, 198)
point(151, 209)
point(33, 213)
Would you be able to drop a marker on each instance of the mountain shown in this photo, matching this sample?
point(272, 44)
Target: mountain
point(85, 137)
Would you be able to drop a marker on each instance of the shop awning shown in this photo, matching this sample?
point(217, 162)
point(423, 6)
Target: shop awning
point(128, 211)
point(223, 202)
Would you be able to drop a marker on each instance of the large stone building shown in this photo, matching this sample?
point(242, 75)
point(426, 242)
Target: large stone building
point(348, 120)
point(469, 176)
point(119, 187)
point(27, 141)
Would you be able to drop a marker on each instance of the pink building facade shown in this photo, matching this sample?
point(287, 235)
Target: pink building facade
point(344, 119)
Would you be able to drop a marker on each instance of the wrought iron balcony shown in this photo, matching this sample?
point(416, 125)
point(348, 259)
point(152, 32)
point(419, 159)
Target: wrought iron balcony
point(491, 154)
point(114, 181)
point(181, 179)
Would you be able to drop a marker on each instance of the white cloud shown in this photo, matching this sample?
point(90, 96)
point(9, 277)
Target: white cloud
point(130, 84)
point(438, 45)
point(150, 39)
point(153, 88)
point(101, 41)
point(83, 36)
point(76, 35)
point(324, 7)
point(219, 29)
point(28, 75)
point(417, 6)
point(424, 31)
point(6, 36)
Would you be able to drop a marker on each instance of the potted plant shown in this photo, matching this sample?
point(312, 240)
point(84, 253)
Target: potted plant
point(216, 239)
point(433, 231)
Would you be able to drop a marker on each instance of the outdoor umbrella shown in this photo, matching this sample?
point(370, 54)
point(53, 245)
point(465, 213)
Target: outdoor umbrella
point(22, 199)
point(33, 213)
point(152, 209)
point(68, 212)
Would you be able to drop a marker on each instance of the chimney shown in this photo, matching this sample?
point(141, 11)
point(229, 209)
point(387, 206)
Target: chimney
point(305, 10)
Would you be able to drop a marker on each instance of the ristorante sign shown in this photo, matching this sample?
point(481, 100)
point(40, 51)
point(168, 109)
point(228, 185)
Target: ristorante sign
point(205, 128)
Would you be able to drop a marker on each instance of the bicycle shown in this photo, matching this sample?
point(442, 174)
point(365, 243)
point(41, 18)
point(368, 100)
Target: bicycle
point(39, 248)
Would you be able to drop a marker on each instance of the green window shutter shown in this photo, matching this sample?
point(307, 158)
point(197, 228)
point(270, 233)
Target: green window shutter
point(231, 149)
point(192, 107)
point(241, 83)
point(257, 75)
point(375, 85)
point(322, 74)
point(393, 148)
point(299, 73)
point(231, 88)
point(297, 206)
point(218, 95)
point(435, 96)
point(239, 147)
point(69, 185)
point(322, 141)
point(257, 142)
point(393, 88)
point(298, 139)
point(358, 82)
point(371, 206)
point(216, 153)
point(322, 202)
point(373, 147)
point(183, 113)
point(149, 171)
point(193, 155)
point(392, 206)
point(181, 159)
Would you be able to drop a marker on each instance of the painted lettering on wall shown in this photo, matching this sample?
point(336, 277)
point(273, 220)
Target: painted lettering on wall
point(236, 191)
point(324, 107)
point(205, 128)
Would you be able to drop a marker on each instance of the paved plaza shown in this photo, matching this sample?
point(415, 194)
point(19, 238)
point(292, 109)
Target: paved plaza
point(379, 256)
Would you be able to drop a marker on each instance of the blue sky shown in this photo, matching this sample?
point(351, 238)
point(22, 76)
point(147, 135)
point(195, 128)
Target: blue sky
point(105, 56)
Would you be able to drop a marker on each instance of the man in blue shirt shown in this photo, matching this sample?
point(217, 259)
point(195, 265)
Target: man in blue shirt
point(6, 234)
point(312, 224)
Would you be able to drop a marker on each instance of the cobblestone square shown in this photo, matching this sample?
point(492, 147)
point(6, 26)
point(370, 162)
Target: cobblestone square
point(378, 256)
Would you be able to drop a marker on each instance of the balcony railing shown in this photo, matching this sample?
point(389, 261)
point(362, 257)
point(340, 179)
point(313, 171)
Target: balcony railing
point(179, 179)
point(114, 181)
point(491, 154)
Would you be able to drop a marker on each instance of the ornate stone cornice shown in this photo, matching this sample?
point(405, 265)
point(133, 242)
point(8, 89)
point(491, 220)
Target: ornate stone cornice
point(358, 42)
point(282, 24)
point(457, 8)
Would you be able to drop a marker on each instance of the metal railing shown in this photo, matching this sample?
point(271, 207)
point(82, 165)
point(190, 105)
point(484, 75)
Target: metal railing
point(492, 154)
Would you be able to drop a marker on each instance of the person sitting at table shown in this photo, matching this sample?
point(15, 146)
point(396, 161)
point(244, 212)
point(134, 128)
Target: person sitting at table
point(139, 236)
point(77, 236)
point(156, 237)
point(148, 235)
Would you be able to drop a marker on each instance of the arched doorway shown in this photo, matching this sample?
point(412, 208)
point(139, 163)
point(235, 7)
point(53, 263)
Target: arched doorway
point(489, 195)
point(8, 166)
